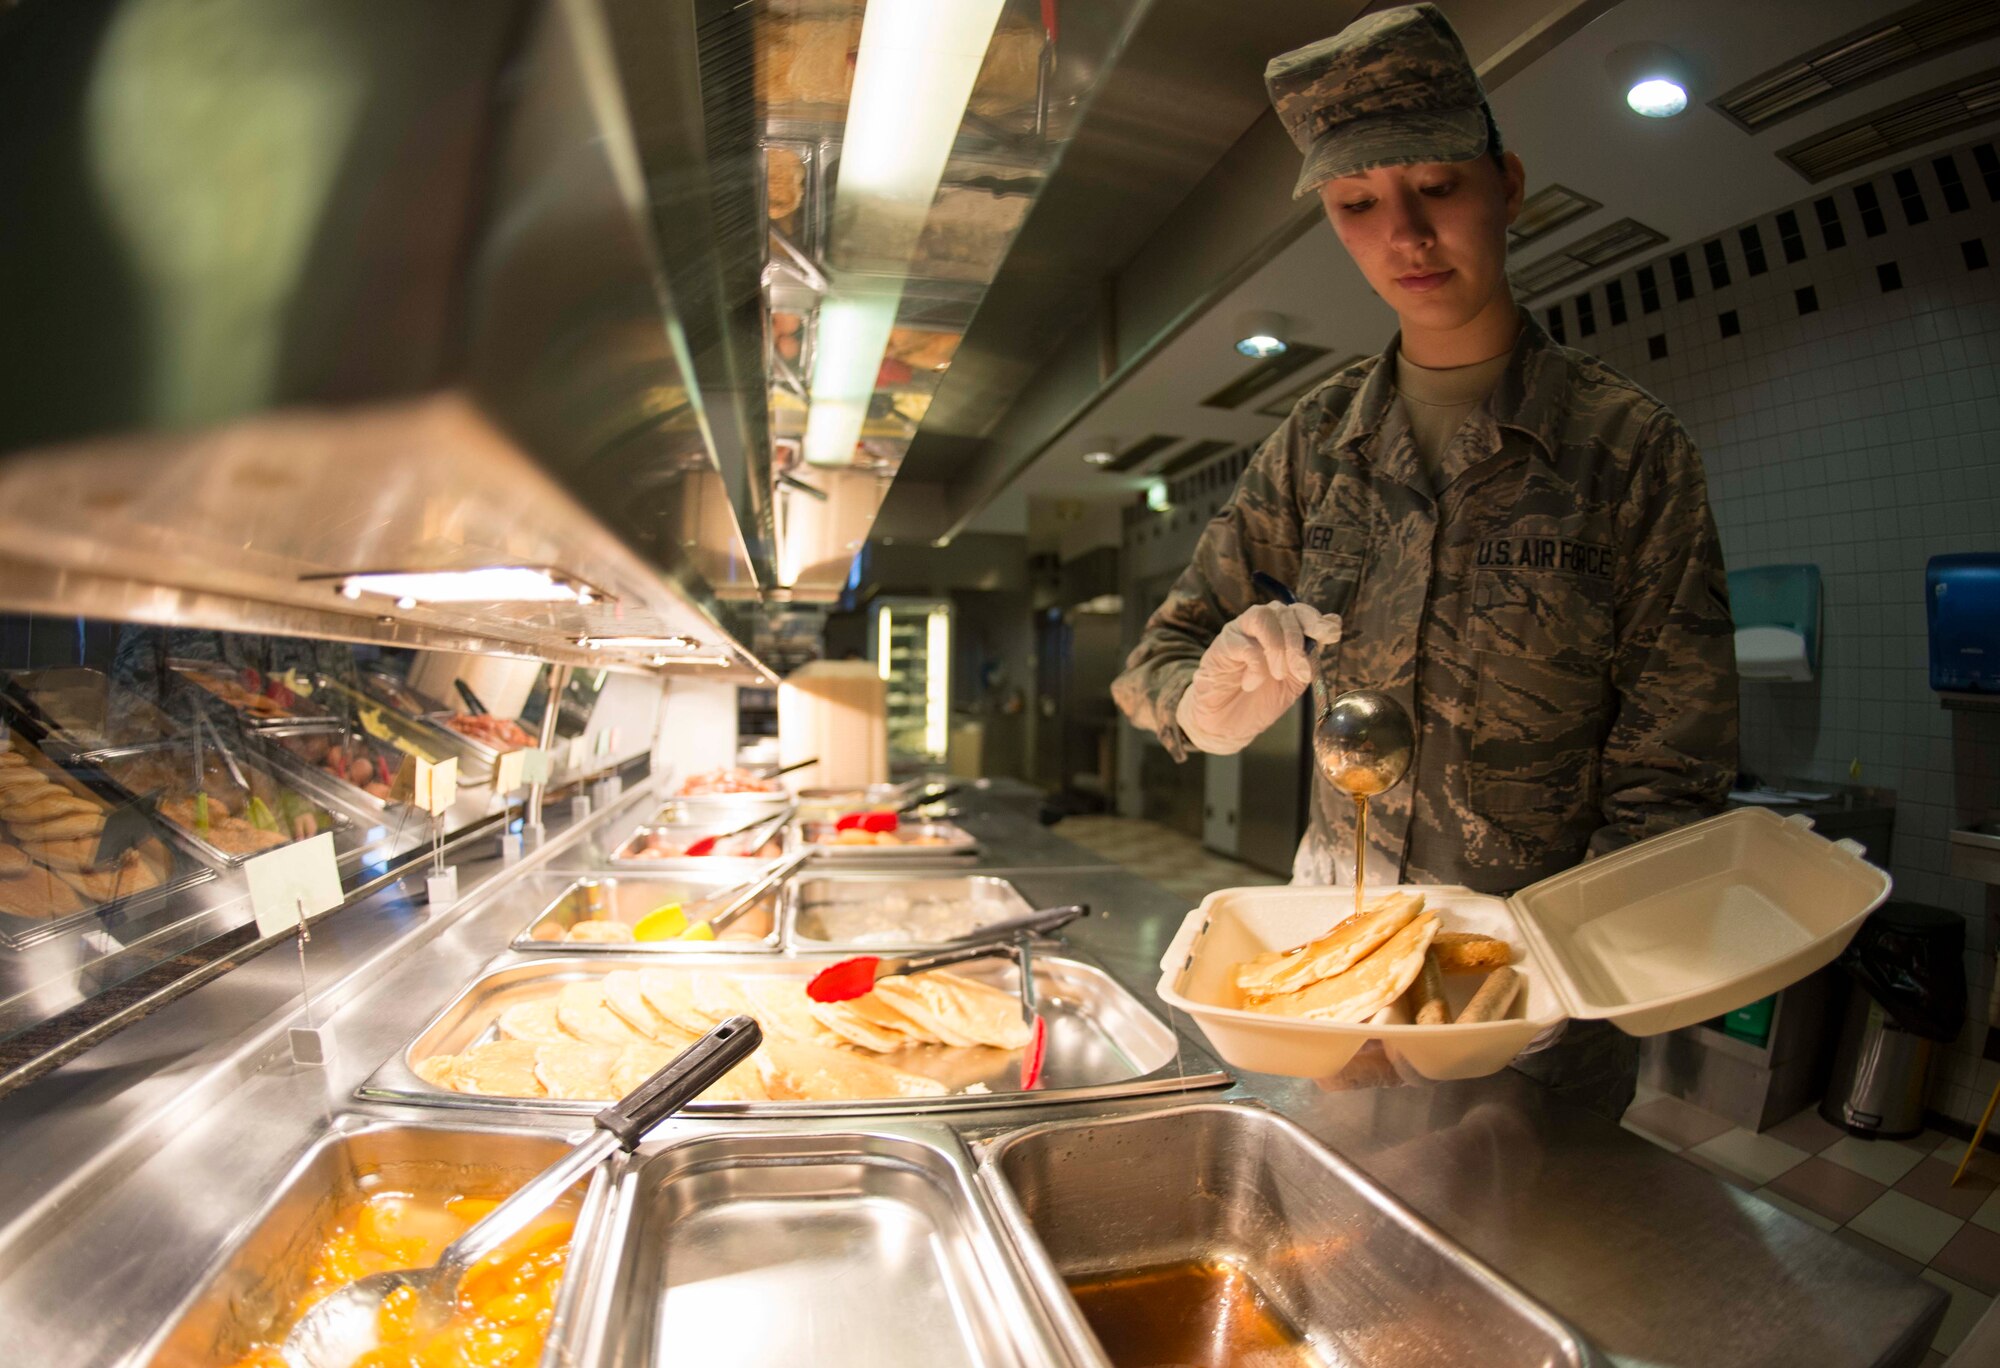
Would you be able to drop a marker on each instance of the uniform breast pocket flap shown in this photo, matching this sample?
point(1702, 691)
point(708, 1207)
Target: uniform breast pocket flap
point(1330, 566)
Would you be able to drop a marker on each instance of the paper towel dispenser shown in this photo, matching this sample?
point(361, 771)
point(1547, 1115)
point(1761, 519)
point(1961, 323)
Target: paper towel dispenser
point(1962, 608)
point(1777, 611)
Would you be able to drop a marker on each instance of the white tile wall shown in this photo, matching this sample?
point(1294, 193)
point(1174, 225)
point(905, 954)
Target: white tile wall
point(1864, 437)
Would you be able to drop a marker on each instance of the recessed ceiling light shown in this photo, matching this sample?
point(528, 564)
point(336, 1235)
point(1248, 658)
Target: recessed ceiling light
point(1656, 97)
point(1652, 78)
point(1102, 451)
point(1262, 335)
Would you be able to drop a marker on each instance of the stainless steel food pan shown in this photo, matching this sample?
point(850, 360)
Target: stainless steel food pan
point(655, 845)
point(563, 900)
point(249, 1294)
point(1102, 1041)
point(944, 840)
point(825, 1248)
point(1129, 1203)
point(854, 910)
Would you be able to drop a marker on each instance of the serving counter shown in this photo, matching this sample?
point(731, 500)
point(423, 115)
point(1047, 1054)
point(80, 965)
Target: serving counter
point(133, 1167)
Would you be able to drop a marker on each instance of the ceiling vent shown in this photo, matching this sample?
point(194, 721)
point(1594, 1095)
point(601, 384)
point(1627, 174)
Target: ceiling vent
point(1548, 209)
point(1612, 243)
point(1901, 39)
point(1919, 119)
point(1140, 452)
point(1263, 375)
point(1281, 405)
point(1193, 456)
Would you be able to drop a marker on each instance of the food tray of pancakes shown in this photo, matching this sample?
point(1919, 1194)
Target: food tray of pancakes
point(1667, 932)
point(52, 827)
point(562, 1034)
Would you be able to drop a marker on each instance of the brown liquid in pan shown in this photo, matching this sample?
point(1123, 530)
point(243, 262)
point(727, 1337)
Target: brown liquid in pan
point(1189, 1315)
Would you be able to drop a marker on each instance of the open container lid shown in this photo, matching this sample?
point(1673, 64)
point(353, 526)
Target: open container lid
point(1699, 921)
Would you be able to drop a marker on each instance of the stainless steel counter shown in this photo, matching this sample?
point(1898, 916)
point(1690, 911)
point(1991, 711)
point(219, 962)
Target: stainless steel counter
point(130, 1167)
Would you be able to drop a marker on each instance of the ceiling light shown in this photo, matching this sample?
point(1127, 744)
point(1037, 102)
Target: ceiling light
point(1261, 334)
point(1653, 79)
point(488, 584)
point(1156, 497)
point(913, 73)
point(1656, 97)
point(1102, 452)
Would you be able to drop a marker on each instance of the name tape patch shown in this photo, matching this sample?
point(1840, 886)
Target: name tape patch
point(1319, 537)
point(1547, 553)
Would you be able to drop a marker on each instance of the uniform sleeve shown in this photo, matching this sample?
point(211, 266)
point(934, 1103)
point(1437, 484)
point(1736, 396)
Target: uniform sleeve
point(1670, 756)
point(1257, 530)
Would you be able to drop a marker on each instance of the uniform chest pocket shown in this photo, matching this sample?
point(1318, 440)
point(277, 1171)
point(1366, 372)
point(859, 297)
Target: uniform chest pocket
point(1543, 645)
point(1329, 577)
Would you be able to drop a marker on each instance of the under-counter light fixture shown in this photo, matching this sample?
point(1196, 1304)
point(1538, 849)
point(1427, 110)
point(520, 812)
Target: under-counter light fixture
point(1654, 79)
point(612, 643)
point(913, 73)
point(1262, 335)
point(488, 584)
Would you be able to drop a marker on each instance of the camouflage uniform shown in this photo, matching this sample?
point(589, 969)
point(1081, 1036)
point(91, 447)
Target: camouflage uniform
point(1555, 617)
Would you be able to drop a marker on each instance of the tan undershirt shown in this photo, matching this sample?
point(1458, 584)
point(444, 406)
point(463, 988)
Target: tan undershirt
point(1437, 402)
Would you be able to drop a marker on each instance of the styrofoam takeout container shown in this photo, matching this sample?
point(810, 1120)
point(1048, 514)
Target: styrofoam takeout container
point(1660, 935)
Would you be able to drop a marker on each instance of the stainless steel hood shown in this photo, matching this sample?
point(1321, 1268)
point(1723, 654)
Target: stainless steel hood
point(302, 287)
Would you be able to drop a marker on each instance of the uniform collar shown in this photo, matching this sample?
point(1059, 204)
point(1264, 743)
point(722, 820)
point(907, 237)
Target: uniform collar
point(1526, 399)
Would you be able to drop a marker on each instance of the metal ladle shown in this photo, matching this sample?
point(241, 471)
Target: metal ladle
point(1363, 744)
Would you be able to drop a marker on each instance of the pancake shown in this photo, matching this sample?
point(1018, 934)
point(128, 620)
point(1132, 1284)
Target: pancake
point(580, 1011)
point(599, 931)
point(716, 998)
point(533, 1021)
point(1346, 945)
point(1365, 989)
point(874, 1008)
point(784, 1011)
point(575, 1070)
point(744, 1083)
point(991, 1016)
point(502, 1068)
point(11, 758)
point(24, 779)
point(437, 1070)
point(670, 992)
point(904, 996)
point(797, 1072)
point(624, 995)
point(13, 863)
point(636, 1064)
point(852, 1026)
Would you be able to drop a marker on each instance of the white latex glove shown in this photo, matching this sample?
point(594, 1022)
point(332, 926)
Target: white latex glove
point(1251, 674)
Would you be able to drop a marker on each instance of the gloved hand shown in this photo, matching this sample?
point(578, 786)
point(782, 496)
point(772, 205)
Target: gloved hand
point(1252, 672)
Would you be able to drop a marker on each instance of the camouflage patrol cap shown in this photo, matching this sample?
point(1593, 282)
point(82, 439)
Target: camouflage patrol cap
point(1389, 89)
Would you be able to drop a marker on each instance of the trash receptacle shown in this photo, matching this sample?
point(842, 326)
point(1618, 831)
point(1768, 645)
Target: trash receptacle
point(1908, 967)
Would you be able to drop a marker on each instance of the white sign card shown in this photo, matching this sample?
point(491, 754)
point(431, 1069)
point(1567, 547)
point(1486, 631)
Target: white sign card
point(293, 882)
point(511, 772)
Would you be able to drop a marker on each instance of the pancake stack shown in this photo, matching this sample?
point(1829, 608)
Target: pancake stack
point(1347, 975)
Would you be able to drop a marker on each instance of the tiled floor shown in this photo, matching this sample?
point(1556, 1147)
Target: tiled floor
point(1171, 860)
point(1890, 1198)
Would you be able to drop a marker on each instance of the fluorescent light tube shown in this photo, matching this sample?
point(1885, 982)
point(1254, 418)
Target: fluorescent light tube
point(912, 77)
point(488, 584)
